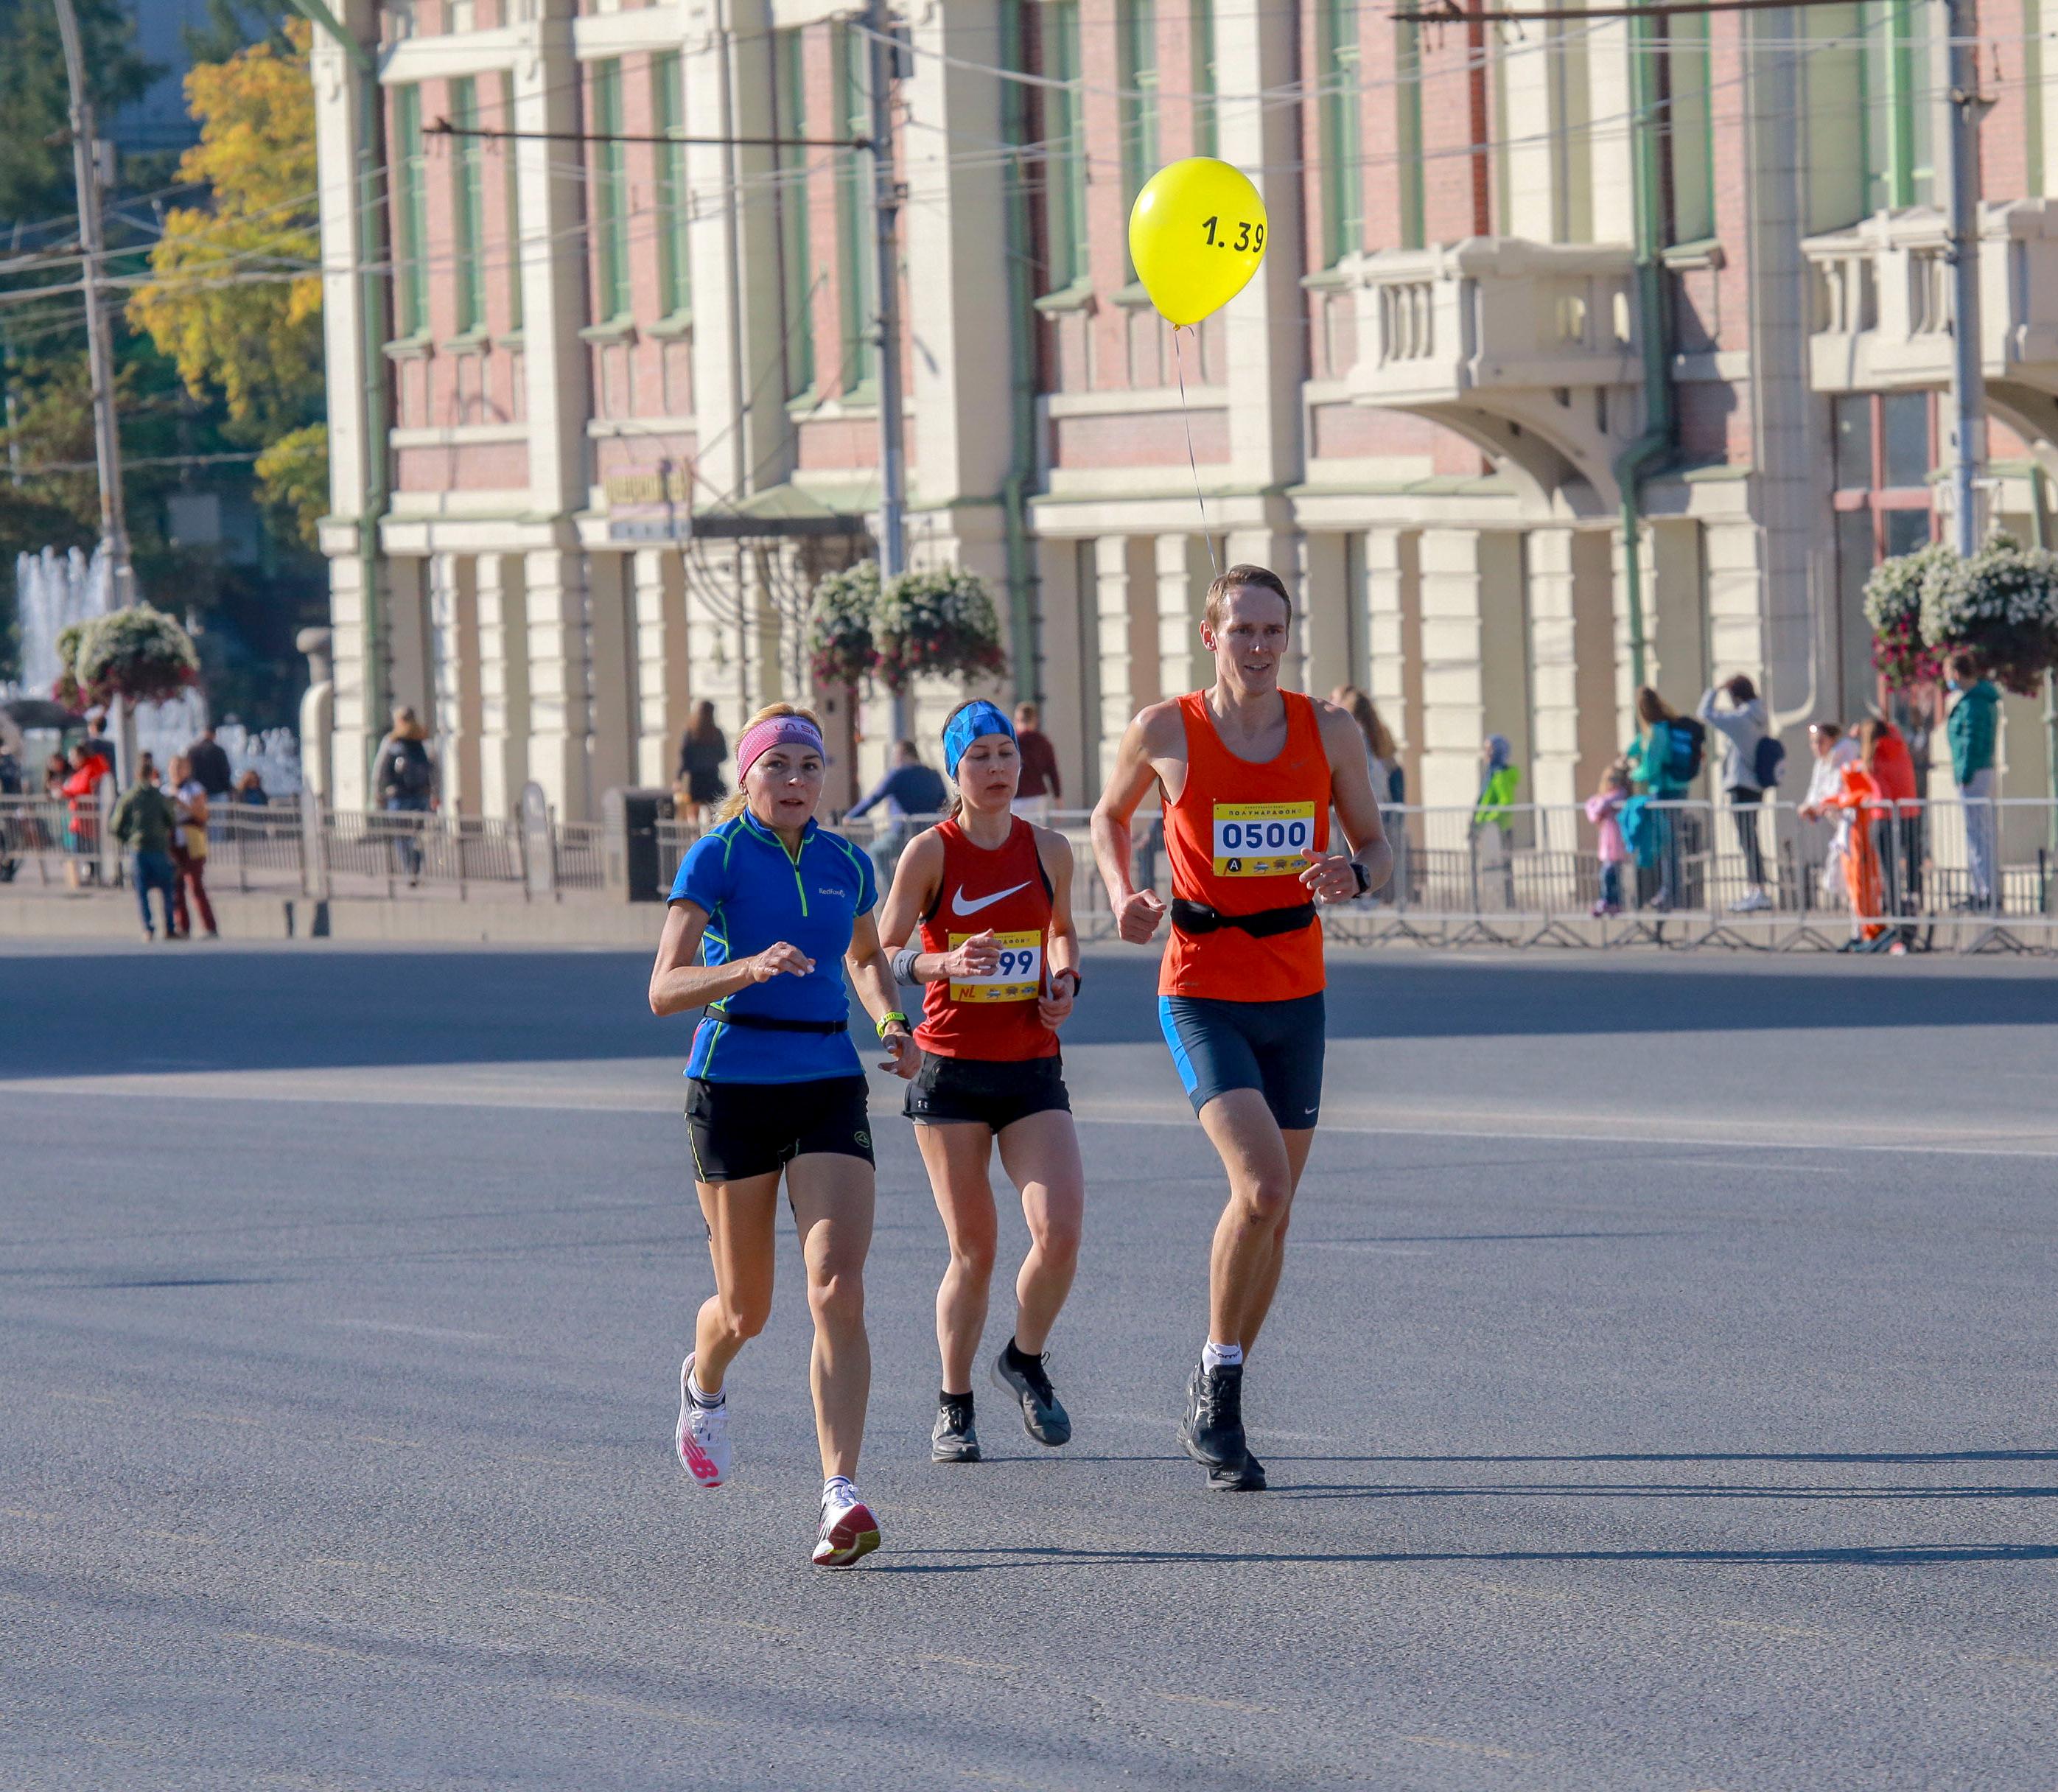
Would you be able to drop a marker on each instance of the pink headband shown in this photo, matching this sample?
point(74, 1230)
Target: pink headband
point(775, 732)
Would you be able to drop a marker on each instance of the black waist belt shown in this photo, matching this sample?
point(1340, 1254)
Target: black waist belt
point(1197, 917)
point(771, 1024)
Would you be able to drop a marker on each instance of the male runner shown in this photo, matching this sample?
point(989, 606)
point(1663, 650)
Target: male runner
point(1248, 774)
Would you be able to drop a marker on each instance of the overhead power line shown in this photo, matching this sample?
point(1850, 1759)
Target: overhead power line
point(1454, 15)
point(443, 127)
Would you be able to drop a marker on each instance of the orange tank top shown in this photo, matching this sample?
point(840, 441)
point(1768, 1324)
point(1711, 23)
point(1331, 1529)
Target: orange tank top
point(1235, 837)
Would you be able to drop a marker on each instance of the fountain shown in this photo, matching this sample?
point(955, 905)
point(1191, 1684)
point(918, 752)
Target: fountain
point(53, 591)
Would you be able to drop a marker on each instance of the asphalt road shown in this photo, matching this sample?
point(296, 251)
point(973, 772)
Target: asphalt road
point(1660, 1396)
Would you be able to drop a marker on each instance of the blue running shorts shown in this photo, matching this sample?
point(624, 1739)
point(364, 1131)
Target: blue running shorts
point(1275, 1048)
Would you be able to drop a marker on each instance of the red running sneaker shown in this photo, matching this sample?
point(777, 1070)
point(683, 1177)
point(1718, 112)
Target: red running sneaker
point(848, 1529)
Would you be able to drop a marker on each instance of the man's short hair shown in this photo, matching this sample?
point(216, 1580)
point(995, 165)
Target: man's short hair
point(1262, 577)
point(1025, 714)
point(1965, 665)
point(907, 750)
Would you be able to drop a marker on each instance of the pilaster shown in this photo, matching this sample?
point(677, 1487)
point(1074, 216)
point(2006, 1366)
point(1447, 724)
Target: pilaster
point(1279, 551)
point(454, 639)
point(612, 688)
point(662, 691)
point(1126, 630)
point(1183, 572)
point(504, 682)
point(560, 725)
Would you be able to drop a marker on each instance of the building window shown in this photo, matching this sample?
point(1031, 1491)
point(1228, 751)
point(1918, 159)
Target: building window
point(610, 197)
point(1207, 127)
point(468, 206)
point(675, 272)
point(510, 161)
point(1065, 150)
point(1342, 110)
point(789, 113)
point(1136, 73)
point(858, 270)
point(410, 215)
point(1687, 136)
point(1408, 110)
point(1896, 101)
point(1885, 451)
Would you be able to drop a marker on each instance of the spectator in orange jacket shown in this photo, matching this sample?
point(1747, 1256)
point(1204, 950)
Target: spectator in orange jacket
point(1860, 790)
point(1898, 833)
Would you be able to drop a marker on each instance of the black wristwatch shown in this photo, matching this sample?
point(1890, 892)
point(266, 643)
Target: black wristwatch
point(1363, 878)
point(1071, 971)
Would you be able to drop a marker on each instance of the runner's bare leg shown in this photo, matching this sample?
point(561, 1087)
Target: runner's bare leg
point(1243, 1267)
point(1297, 1143)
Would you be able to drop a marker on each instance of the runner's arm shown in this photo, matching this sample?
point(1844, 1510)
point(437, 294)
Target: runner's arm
point(1358, 808)
point(916, 881)
point(1056, 852)
point(872, 976)
point(678, 981)
point(1137, 912)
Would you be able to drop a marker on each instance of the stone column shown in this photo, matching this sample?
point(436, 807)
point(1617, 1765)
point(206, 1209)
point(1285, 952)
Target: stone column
point(411, 660)
point(454, 637)
point(357, 730)
point(1474, 661)
point(662, 694)
point(551, 185)
point(1183, 572)
point(1124, 632)
point(612, 687)
point(503, 683)
point(560, 720)
point(1554, 649)
point(1393, 644)
point(1322, 603)
point(1072, 695)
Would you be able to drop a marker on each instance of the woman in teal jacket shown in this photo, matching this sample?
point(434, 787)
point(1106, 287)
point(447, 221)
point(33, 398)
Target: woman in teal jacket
point(1651, 764)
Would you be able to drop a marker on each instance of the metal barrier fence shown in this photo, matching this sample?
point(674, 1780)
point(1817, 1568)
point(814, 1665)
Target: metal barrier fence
point(1706, 873)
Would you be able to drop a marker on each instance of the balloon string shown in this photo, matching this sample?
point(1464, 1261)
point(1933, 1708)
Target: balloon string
point(1179, 364)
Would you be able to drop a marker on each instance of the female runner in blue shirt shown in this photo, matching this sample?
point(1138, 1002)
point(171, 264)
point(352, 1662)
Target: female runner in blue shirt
point(763, 908)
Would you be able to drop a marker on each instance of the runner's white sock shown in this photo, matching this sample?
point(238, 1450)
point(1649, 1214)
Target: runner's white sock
point(699, 1395)
point(1221, 1356)
point(842, 1488)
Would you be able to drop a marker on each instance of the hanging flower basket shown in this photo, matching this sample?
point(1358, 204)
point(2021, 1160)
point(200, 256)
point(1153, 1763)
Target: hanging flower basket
point(139, 654)
point(938, 624)
point(1893, 606)
point(66, 690)
point(841, 649)
point(2001, 606)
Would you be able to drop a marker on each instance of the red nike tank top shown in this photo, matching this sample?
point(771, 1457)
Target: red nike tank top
point(1235, 839)
point(1002, 887)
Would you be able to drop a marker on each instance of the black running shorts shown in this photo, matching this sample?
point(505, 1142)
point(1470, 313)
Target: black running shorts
point(752, 1129)
point(985, 1091)
point(1275, 1048)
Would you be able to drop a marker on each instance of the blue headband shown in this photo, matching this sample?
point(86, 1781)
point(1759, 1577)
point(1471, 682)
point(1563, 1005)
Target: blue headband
point(967, 725)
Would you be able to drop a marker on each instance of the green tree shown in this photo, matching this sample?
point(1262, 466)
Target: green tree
point(35, 147)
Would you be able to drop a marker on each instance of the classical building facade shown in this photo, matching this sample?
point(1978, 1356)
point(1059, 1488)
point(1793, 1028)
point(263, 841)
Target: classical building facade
point(1533, 292)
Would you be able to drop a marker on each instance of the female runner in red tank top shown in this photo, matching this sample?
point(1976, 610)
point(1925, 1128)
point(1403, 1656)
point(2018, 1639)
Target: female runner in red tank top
point(998, 958)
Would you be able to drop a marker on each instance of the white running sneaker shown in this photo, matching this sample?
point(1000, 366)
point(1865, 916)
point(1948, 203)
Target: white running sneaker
point(848, 1529)
point(701, 1440)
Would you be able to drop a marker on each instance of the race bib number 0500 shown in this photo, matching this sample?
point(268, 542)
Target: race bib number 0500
point(1019, 976)
point(1262, 839)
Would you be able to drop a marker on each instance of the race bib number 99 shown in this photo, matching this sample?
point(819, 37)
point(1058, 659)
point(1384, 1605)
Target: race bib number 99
point(1019, 976)
point(1262, 839)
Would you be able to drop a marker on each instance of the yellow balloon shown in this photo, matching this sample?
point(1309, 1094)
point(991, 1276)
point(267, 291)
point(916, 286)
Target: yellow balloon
point(1196, 235)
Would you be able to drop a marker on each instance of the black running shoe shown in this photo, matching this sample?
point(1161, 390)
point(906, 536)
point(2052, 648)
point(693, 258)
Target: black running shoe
point(1043, 1415)
point(1213, 1428)
point(1249, 1479)
point(955, 1438)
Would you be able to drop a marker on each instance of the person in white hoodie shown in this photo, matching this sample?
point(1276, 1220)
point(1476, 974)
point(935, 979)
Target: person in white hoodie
point(1834, 749)
point(1742, 725)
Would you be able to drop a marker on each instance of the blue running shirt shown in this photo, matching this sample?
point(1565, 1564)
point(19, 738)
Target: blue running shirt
point(756, 895)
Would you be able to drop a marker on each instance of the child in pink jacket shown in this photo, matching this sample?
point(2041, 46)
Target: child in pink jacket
point(1604, 810)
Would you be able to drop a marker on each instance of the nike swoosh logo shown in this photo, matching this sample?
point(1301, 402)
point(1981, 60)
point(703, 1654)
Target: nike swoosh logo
point(959, 906)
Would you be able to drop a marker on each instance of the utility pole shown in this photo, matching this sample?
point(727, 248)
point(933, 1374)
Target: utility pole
point(1968, 383)
point(100, 350)
point(885, 220)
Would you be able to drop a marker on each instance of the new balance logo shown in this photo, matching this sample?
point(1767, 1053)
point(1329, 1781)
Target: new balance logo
point(959, 906)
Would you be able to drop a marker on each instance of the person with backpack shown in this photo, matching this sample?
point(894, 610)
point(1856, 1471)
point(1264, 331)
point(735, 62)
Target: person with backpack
point(1664, 760)
point(404, 777)
point(1752, 760)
